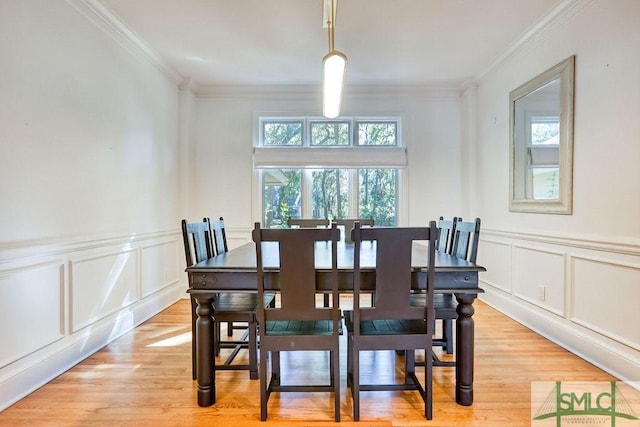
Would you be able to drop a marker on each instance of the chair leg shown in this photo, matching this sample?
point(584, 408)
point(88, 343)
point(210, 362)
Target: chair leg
point(264, 396)
point(335, 380)
point(355, 384)
point(447, 334)
point(409, 366)
point(253, 351)
point(218, 335)
point(194, 316)
point(428, 386)
point(275, 367)
point(229, 329)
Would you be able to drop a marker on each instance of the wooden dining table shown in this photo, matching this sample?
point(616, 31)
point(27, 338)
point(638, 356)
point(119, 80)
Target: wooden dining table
point(235, 271)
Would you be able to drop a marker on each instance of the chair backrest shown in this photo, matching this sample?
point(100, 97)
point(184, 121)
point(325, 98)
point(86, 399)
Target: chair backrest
point(219, 236)
point(465, 240)
point(348, 224)
point(197, 241)
point(297, 272)
point(446, 231)
point(393, 271)
point(307, 223)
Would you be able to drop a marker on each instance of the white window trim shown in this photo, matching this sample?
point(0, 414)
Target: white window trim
point(317, 157)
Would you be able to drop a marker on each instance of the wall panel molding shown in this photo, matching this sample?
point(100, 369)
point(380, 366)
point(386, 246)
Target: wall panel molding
point(594, 285)
point(589, 243)
point(31, 296)
point(614, 284)
point(539, 277)
point(89, 292)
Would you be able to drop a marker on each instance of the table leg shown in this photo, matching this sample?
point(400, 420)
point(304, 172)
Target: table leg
point(206, 373)
point(464, 349)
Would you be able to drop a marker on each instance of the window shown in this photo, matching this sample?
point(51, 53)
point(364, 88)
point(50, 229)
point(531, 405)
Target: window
point(544, 157)
point(330, 133)
point(282, 133)
point(311, 168)
point(377, 133)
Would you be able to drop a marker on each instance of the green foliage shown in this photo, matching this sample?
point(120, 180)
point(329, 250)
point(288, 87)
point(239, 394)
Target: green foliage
point(330, 193)
point(283, 201)
point(282, 133)
point(376, 133)
point(330, 133)
point(378, 195)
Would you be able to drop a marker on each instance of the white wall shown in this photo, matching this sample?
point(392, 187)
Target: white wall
point(589, 262)
point(89, 245)
point(226, 132)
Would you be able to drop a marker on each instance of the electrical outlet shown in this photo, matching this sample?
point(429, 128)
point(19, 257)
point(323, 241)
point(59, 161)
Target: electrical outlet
point(542, 290)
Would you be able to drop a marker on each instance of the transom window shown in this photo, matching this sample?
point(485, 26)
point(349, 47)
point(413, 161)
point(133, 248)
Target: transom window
point(318, 168)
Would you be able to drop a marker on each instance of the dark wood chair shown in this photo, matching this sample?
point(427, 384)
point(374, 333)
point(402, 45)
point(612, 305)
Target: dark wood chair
point(392, 323)
point(464, 244)
point(446, 230)
point(220, 247)
point(348, 223)
point(297, 324)
point(444, 304)
point(307, 223)
point(229, 307)
point(465, 240)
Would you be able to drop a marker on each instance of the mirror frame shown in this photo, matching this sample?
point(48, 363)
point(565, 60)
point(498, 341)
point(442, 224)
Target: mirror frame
point(564, 203)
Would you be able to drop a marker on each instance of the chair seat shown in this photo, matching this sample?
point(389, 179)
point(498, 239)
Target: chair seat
point(301, 327)
point(229, 305)
point(445, 305)
point(387, 327)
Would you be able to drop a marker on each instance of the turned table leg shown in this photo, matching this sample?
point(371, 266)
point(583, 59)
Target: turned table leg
point(464, 349)
point(206, 373)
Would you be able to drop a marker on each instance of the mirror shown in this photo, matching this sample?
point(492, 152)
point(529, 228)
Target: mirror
point(541, 142)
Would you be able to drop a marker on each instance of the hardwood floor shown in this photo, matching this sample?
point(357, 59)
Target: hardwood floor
point(144, 378)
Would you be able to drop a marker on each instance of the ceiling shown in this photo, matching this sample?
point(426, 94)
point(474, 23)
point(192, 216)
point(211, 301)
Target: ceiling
point(282, 42)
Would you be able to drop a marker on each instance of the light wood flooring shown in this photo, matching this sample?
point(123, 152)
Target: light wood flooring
point(144, 379)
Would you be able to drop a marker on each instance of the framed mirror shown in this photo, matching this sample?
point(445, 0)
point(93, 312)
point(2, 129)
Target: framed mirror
point(541, 142)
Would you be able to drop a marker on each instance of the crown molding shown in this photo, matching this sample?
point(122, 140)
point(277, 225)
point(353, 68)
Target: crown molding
point(111, 24)
point(308, 91)
point(560, 13)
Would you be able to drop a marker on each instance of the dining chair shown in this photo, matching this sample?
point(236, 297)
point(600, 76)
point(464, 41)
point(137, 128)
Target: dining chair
point(307, 222)
point(444, 304)
point(392, 323)
point(446, 230)
point(465, 240)
point(347, 224)
point(228, 307)
point(297, 324)
point(220, 247)
point(464, 244)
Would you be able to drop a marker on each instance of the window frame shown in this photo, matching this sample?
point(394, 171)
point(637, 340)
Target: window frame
point(308, 157)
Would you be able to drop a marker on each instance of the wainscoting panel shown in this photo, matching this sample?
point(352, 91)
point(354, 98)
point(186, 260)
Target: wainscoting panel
point(158, 266)
point(30, 296)
point(100, 286)
point(538, 277)
point(605, 293)
point(495, 256)
point(580, 293)
point(62, 301)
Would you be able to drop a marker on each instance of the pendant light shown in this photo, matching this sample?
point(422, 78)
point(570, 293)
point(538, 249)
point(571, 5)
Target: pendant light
point(334, 67)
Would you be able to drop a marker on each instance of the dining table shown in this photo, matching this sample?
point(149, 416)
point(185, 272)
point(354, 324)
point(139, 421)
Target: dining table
point(235, 271)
